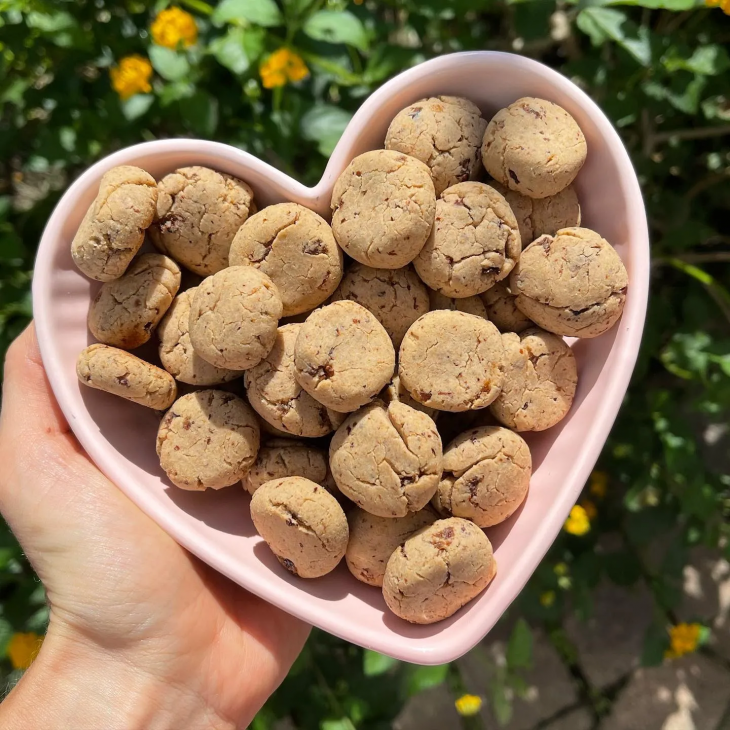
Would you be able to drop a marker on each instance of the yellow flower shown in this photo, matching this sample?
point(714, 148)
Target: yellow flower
point(23, 649)
point(561, 569)
point(282, 66)
point(683, 640)
point(598, 484)
point(724, 4)
point(174, 26)
point(547, 599)
point(590, 509)
point(578, 523)
point(468, 705)
point(131, 76)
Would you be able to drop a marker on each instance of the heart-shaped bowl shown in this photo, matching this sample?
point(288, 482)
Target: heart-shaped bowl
point(216, 526)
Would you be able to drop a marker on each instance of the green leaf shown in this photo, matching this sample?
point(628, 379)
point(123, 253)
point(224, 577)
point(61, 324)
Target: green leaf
point(343, 723)
point(297, 7)
point(422, 678)
point(501, 703)
point(174, 91)
point(6, 633)
point(656, 642)
point(259, 12)
point(238, 48)
point(602, 24)
point(710, 60)
point(324, 124)
point(337, 27)
point(374, 664)
point(136, 106)
point(171, 65)
point(201, 112)
point(519, 648)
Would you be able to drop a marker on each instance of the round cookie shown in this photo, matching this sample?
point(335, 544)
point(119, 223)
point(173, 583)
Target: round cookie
point(176, 351)
point(208, 439)
point(120, 373)
point(452, 361)
point(468, 305)
point(397, 297)
point(343, 356)
point(387, 459)
point(279, 399)
point(281, 458)
point(501, 306)
point(486, 476)
point(539, 381)
point(534, 147)
point(474, 243)
point(373, 540)
point(114, 226)
point(302, 523)
point(296, 249)
point(234, 317)
point(198, 213)
point(383, 208)
point(444, 132)
point(438, 570)
point(126, 311)
point(536, 216)
point(395, 391)
point(572, 284)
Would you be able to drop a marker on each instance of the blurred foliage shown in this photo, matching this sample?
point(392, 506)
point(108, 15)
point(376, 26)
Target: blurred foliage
point(659, 70)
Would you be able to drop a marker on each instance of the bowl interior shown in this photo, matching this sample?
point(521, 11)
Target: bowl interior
point(216, 526)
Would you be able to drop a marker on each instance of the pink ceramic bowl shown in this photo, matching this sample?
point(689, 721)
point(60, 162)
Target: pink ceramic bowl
point(120, 436)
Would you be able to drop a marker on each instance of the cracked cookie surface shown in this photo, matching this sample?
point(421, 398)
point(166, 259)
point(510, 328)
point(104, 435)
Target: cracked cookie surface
point(452, 361)
point(303, 525)
point(198, 213)
point(501, 306)
point(234, 317)
point(280, 458)
point(571, 284)
point(126, 311)
point(387, 459)
point(486, 476)
point(397, 297)
point(474, 242)
point(383, 208)
point(113, 228)
point(120, 373)
point(343, 356)
point(445, 133)
point(208, 440)
point(395, 391)
point(296, 248)
point(534, 147)
point(276, 395)
point(373, 540)
point(540, 379)
point(438, 570)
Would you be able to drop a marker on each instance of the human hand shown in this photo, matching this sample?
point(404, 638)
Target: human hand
point(142, 634)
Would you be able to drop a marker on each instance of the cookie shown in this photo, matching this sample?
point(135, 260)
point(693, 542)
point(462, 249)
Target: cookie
point(198, 213)
point(438, 570)
point(120, 373)
point(397, 297)
point(281, 458)
point(176, 351)
point(383, 208)
point(536, 216)
point(126, 311)
point(486, 476)
point(572, 284)
point(452, 361)
point(114, 226)
point(302, 523)
point(539, 381)
point(234, 317)
point(387, 459)
point(444, 132)
point(373, 540)
point(502, 311)
point(534, 147)
point(343, 356)
point(474, 243)
point(279, 399)
point(296, 249)
point(395, 391)
point(207, 440)
point(468, 305)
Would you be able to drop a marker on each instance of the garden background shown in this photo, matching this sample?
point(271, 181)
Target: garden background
point(629, 613)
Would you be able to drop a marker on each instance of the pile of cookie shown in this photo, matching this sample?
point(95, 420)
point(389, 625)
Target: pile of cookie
point(434, 304)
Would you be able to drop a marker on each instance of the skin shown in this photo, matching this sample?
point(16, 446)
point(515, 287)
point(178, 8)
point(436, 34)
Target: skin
point(142, 635)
